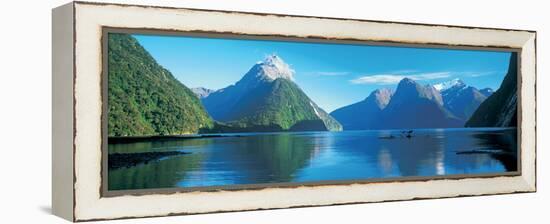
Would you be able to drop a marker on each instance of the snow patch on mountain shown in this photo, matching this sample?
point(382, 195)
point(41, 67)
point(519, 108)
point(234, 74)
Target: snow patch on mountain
point(381, 97)
point(202, 92)
point(273, 67)
point(449, 84)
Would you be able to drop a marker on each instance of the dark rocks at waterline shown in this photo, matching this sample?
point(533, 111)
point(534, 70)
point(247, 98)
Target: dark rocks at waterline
point(404, 134)
point(133, 139)
point(120, 160)
point(481, 151)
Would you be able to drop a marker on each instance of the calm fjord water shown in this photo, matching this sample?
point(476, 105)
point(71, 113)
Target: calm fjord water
point(255, 158)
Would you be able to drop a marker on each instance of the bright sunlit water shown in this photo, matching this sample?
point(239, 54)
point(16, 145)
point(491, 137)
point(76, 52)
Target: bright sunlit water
point(256, 158)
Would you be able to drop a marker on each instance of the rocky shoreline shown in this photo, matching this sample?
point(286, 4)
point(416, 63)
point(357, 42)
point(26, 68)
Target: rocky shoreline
point(133, 139)
point(120, 160)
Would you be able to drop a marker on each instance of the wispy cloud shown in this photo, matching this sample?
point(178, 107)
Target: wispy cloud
point(395, 77)
point(328, 73)
point(404, 71)
point(478, 74)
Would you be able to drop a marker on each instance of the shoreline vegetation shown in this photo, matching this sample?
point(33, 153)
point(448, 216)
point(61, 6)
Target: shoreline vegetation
point(395, 133)
point(134, 139)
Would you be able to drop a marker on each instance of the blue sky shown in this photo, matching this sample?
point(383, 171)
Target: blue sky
point(332, 75)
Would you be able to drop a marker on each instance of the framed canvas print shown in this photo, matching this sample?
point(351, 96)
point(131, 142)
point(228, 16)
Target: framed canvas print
point(166, 111)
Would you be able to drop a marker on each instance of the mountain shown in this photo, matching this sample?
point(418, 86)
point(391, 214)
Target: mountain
point(267, 99)
point(500, 109)
point(146, 99)
point(220, 104)
point(364, 114)
point(443, 105)
point(416, 106)
point(460, 99)
point(202, 92)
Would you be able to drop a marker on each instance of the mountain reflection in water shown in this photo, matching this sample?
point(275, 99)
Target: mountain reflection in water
point(255, 158)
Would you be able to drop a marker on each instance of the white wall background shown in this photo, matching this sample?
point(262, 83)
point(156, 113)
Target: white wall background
point(25, 112)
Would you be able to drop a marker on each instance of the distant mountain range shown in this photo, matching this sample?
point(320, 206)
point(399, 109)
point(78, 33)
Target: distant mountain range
point(444, 105)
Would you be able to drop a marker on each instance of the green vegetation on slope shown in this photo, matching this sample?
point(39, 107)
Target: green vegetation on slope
point(280, 105)
point(146, 99)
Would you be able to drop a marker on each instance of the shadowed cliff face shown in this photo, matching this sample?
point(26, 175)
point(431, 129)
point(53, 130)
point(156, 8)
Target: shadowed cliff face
point(486, 91)
point(500, 109)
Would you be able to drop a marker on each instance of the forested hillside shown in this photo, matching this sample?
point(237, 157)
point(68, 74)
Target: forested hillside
point(146, 99)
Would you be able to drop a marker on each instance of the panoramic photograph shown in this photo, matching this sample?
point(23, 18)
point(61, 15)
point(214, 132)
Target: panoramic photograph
point(189, 111)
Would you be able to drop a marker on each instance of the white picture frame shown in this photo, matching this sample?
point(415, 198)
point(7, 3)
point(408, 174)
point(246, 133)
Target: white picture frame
point(77, 110)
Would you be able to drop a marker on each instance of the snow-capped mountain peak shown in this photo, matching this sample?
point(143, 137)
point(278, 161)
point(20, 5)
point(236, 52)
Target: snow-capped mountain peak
point(273, 67)
point(449, 84)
